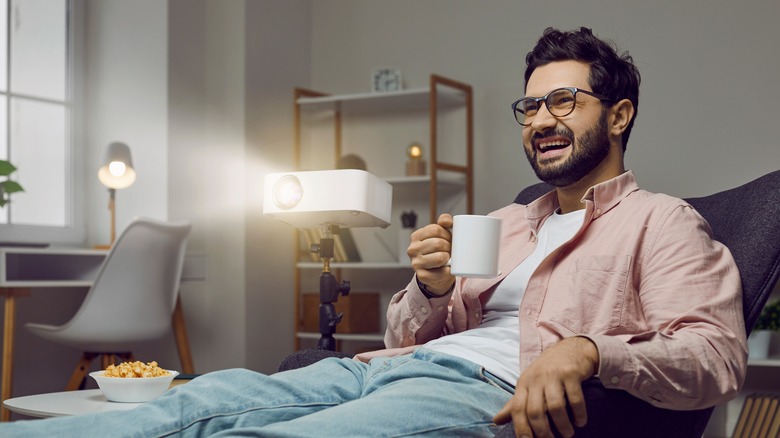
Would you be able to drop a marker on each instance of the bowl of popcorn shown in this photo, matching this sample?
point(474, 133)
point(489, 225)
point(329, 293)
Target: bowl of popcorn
point(133, 382)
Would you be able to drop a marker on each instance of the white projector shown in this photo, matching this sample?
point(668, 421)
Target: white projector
point(346, 197)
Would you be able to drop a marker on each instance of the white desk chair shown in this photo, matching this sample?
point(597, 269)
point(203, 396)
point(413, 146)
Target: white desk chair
point(132, 298)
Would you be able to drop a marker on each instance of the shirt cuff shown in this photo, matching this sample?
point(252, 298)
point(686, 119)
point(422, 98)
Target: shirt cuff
point(616, 367)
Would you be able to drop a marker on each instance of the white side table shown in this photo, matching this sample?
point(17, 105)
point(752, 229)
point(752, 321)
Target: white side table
point(58, 404)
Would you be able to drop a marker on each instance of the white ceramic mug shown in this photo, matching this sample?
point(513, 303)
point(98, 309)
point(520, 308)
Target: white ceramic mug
point(475, 241)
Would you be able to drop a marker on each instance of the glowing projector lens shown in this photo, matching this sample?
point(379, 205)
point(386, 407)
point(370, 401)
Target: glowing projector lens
point(287, 192)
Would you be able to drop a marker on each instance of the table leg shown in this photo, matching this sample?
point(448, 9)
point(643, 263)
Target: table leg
point(9, 325)
point(182, 342)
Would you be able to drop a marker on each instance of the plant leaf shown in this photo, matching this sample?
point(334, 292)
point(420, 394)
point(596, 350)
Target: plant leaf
point(6, 168)
point(11, 186)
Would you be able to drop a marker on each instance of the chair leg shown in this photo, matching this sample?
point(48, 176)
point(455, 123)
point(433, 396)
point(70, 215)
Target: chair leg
point(79, 377)
point(80, 373)
point(125, 357)
point(107, 359)
point(116, 358)
point(182, 342)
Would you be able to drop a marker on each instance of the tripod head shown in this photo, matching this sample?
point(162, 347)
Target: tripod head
point(330, 289)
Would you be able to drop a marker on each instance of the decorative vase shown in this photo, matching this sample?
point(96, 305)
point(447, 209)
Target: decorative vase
point(758, 344)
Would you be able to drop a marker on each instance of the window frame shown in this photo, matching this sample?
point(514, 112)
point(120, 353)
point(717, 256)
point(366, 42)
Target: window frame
point(75, 232)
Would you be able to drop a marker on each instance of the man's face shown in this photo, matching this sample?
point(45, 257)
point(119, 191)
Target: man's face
point(564, 150)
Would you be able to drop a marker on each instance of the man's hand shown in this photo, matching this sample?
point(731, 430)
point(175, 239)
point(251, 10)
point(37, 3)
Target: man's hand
point(430, 251)
point(547, 385)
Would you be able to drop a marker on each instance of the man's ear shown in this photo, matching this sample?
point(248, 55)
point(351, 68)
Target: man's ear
point(622, 113)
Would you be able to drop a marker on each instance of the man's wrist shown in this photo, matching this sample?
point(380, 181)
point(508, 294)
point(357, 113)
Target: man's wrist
point(591, 352)
point(428, 294)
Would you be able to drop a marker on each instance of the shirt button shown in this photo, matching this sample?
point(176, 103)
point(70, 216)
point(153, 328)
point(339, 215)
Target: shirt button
point(533, 238)
point(615, 380)
point(424, 310)
point(528, 312)
point(598, 211)
point(439, 308)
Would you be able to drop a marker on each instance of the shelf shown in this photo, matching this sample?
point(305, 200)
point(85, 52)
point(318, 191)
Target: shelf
point(345, 336)
point(391, 101)
point(358, 118)
point(773, 361)
point(355, 265)
point(444, 179)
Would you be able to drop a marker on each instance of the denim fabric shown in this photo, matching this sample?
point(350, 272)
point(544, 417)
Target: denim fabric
point(422, 394)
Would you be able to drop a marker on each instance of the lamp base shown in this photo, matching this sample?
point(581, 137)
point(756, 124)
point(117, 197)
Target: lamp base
point(415, 168)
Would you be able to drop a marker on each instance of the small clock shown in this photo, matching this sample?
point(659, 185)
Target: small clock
point(386, 79)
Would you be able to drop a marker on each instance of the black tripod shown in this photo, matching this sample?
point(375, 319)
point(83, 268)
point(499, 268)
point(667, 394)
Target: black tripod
point(330, 289)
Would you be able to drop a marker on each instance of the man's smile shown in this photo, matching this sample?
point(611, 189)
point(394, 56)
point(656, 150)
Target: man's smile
point(548, 147)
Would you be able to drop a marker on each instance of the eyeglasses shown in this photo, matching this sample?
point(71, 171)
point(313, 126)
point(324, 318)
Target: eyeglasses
point(560, 103)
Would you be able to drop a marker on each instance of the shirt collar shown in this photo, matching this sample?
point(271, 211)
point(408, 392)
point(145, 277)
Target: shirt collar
point(603, 197)
point(608, 194)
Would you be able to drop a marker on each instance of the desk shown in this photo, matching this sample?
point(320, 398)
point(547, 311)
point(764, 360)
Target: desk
point(22, 269)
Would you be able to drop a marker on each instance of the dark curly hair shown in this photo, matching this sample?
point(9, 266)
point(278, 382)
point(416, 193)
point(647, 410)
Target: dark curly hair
point(612, 75)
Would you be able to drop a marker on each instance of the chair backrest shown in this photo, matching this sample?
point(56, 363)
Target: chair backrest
point(747, 220)
point(135, 291)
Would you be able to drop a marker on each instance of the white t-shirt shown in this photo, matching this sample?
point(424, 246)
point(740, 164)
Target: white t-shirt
point(495, 344)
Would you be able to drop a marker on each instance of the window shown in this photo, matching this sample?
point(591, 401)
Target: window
point(36, 106)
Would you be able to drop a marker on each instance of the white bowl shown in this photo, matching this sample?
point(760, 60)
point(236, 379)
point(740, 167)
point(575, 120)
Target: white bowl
point(133, 389)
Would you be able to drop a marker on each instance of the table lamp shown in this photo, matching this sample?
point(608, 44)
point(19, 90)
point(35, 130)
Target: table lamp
point(331, 199)
point(415, 165)
point(116, 172)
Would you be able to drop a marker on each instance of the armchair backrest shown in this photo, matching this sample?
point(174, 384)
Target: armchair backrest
point(747, 220)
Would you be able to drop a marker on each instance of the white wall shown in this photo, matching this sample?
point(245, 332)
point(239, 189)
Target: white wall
point(278, 50)
point(206, 170)
point(127, 101)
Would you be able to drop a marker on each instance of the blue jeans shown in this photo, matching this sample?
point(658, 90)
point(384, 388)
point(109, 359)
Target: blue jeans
point(422, 394)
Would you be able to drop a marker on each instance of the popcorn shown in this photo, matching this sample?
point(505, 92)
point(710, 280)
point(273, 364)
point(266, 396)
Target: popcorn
point(135, 369)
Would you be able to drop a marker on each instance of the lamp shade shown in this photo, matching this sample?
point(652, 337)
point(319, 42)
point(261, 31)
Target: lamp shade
point(116, 171)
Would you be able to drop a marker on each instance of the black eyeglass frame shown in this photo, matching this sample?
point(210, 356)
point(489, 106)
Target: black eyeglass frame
point(538, 100)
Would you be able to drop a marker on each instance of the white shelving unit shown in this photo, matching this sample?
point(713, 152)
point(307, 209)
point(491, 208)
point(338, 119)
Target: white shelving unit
point(447, 186)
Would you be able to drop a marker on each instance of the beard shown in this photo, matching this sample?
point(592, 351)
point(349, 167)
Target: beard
point(585, 156)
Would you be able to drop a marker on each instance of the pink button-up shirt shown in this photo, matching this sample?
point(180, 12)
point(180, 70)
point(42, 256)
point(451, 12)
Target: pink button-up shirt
point(642, 278)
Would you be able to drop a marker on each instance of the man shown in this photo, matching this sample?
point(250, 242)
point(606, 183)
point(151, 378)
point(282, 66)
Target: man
point(599, 278)
point(630, 286)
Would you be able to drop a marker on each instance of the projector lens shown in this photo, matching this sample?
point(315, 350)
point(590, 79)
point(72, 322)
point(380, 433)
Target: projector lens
point(288, 192)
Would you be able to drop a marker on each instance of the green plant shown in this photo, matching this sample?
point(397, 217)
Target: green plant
point(769, 318)
point(7, 187)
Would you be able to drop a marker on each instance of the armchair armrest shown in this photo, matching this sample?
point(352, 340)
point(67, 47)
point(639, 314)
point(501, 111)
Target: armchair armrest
point(614, 412)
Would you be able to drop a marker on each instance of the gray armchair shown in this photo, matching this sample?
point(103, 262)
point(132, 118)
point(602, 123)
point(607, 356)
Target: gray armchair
point(747, 220)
